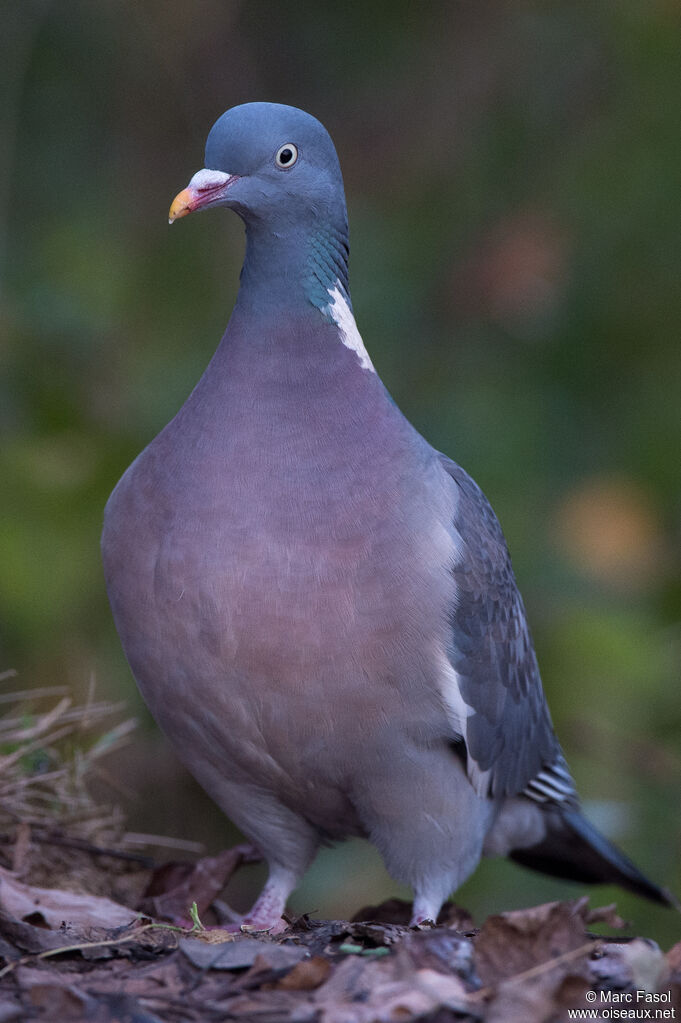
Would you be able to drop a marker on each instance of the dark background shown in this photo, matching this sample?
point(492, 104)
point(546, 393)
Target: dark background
point(512, 172)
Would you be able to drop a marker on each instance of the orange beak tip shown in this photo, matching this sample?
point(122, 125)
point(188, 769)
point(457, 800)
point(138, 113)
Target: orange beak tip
point(180, 206)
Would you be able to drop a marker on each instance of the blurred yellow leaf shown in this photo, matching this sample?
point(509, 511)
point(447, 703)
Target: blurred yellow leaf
point(609, 529)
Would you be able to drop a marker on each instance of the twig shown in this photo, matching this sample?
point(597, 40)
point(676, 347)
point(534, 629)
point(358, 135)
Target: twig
point(78, 843)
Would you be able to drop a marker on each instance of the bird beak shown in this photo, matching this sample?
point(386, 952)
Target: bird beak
point(205, 189)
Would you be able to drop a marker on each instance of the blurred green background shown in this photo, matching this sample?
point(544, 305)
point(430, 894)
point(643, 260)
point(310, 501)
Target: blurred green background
point(513, 184)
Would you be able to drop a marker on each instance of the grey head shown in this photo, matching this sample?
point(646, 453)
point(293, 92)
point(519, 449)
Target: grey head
point(277, 167)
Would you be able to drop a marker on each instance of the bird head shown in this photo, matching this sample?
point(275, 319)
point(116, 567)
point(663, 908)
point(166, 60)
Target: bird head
point(272, 164)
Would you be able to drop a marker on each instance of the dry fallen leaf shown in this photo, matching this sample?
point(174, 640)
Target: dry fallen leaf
point(62, 1001)
point(213, 936)
point(51, 907)
point(523, 1003)
point(440, 949)
point(674, 959)
point(306, 975)
point(20, 937)
point(535, 964)
point(362, 991)
point(240, 954)
point(510, 943)
point(605, 915)
point(628, 966)
point(174, 886)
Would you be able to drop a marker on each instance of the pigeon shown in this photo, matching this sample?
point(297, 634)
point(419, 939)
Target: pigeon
point(318, 607)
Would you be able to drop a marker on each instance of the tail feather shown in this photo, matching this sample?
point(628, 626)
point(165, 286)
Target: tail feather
point(573, 848)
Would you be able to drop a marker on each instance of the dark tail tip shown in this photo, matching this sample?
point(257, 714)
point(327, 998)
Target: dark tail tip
point(575, 850)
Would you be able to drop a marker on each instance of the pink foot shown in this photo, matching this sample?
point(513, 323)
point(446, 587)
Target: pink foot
point(265, 914)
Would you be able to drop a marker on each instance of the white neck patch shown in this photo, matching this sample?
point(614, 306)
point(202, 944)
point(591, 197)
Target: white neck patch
point(341, 314)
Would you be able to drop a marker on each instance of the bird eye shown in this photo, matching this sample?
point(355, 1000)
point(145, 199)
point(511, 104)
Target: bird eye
point(286, 155)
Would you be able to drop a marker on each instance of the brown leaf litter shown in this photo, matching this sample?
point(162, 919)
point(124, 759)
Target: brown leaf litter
point(520, 967)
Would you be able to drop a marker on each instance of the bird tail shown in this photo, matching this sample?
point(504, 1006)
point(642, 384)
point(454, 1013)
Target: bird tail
point(573, 848)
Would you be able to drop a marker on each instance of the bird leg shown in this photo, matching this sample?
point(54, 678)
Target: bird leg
point(265, 914)
point(426, 908)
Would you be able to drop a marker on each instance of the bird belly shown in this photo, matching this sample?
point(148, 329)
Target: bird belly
point(280, 650)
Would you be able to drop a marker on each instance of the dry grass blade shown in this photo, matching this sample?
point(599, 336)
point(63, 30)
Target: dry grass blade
point(112, 740)
point(163, 842)
point(85, 717)
point(46, 757)
point(29, 694)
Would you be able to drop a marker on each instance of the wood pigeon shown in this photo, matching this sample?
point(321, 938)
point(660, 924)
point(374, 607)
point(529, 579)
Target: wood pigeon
point(318, 607)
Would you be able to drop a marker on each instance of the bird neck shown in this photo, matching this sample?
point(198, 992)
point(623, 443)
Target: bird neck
point(293, 268)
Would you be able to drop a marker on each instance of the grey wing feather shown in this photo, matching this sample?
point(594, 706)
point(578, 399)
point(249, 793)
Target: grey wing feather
point(509, 734)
